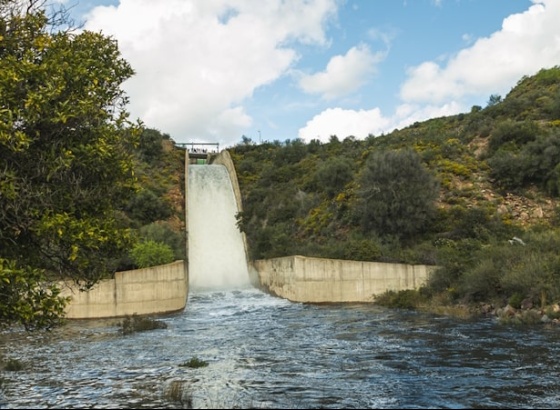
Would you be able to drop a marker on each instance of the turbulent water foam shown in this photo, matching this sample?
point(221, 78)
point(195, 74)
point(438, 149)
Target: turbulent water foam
point(216, 250)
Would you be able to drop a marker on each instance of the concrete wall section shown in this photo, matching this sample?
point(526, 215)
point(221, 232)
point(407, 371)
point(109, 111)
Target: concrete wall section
point(157, 290)
point(318, 280)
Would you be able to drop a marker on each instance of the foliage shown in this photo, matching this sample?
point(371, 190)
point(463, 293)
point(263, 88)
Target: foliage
point(379, 199)
point(13, 365)
point(536, 162)
point(150, 253)
point(513, 133)
point(150, 148)
point(162, 232)
point(69, 161)
point(135, 323)
point(494, 99)
point(534, 97)
point(403, 299)
point(397, 194)
point(27, 298)
point(333, 174)
point(65, 148)
point(195, 363)
point(148, 207)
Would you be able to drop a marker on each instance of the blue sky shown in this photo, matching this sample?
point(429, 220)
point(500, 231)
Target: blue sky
point(215, 70)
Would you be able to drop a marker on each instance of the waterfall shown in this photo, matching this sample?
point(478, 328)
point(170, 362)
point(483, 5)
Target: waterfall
point(215, 245)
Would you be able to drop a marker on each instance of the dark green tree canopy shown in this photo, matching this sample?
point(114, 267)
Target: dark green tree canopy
point(397, 194)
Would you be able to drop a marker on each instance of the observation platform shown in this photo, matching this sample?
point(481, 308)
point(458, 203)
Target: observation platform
point(200, 152)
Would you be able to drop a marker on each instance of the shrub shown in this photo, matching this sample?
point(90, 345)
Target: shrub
point(13, 365)
point(163, 233)
point(483, 281)
point(403, 299)
point(515, 300)
point(151, 144)
point(195, 363)
point(135, 323)
point(518, 133)
point(397, 194)
point(150, 253)
point(147, 207)
point(333, 175)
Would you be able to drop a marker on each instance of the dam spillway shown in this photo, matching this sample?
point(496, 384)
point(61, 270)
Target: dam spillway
point(216, 251)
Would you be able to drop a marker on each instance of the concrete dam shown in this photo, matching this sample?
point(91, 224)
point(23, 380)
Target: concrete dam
point(218, 258)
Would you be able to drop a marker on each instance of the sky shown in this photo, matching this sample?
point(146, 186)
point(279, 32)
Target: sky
point(275, 70)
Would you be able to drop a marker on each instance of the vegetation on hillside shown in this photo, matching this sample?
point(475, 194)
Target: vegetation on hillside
point(451, 192)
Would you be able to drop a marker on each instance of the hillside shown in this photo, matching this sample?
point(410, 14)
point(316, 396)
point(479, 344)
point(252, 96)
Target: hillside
point(450, 191)
point(157, 212)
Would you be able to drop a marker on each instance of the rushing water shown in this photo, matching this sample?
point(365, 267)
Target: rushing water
point(266, 352)
point(216, 250)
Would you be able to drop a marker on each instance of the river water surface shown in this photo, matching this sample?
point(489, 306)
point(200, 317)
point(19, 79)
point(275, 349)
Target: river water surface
point(266, 352)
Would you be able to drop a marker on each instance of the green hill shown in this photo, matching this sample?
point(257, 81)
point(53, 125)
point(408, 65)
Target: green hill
point(449, 191)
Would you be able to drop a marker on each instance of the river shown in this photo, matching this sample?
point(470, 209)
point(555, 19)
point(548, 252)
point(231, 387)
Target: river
point(266, 352)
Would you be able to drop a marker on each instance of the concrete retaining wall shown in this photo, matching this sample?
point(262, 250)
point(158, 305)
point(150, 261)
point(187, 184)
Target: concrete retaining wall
point(318, 280)
point(157, 290)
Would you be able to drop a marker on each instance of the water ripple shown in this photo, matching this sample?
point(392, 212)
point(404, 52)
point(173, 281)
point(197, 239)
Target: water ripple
point(265, 352)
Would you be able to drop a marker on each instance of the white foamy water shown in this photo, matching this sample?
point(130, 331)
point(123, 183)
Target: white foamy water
point(216, 250)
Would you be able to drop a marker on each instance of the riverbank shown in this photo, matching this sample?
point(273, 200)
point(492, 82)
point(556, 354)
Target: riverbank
point(524, 313)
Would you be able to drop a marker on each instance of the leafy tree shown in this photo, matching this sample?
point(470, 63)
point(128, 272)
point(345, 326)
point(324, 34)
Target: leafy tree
point(494, 99)
point(150, 145)
point(397, 194)
point(65, 157)
point(147, 207)
point(333, 175)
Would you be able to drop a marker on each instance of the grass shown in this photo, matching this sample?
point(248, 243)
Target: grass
point(194, 363)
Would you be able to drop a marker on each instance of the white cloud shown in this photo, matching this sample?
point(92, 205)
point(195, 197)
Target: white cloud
point(344, 74)
point(362, 123)
point(343, 123)
point(526, 43)
point(196, 61)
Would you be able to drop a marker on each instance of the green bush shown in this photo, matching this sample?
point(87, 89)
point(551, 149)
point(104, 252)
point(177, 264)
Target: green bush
point(195, 363)
point(515, 300)
point(150, 253)
point(403, 299)
point(397, 194)
point(135, 323)
point(333, 174)
point(517, 132)
point(13, 365)
point(163, 233)
point(536, 271)
point(151, 145)
point(147, 207)
point(483, 281)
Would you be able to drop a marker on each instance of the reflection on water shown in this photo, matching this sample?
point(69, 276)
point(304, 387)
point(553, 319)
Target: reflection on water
point(265, 352)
